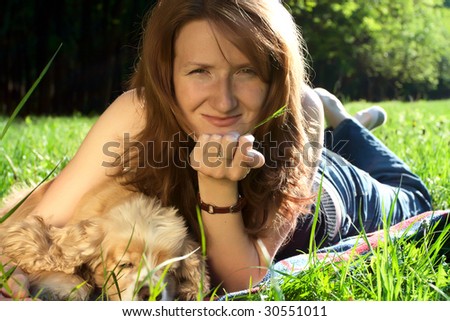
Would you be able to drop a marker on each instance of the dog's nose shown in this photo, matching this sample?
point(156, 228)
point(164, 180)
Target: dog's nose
point(144, 294)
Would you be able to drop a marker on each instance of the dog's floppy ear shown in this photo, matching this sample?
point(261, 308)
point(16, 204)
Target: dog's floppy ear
point(80, 242)
point(28, 244)
point(36, 246)
point(192, 275)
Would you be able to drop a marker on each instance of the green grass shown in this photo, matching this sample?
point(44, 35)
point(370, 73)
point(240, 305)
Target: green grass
point(418, 132)
point(33, 146)
point(401, 270)
point(396, 271)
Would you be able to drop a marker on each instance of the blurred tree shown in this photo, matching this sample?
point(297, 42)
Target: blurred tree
point(99, 48)
point(372, 49)
point(375, 49)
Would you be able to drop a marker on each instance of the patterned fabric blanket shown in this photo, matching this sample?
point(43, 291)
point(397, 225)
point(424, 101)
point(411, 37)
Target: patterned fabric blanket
point(414, 227)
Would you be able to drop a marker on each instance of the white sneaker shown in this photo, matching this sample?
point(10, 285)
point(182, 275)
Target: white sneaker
point(333, 109)
point(371, 117)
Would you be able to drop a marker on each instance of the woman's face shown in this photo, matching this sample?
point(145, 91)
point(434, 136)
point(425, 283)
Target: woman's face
point(217, 88)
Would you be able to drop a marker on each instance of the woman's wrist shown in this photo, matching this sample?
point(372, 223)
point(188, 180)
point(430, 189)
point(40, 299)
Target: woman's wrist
point(219, 192)
point(214, 209)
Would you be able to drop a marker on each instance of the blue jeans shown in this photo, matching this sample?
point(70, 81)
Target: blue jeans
point(369, 180)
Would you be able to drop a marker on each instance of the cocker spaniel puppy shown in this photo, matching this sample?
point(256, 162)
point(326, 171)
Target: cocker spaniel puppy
point(119, 244)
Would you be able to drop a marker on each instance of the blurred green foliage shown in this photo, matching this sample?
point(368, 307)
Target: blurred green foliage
point(378, 49)
point(360, 49)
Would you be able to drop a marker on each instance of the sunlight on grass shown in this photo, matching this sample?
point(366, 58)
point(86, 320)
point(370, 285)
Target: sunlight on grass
point(407, 269)
point(34, 145)
point(419, 133)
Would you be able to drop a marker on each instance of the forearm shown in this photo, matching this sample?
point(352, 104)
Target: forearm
point(233, 256)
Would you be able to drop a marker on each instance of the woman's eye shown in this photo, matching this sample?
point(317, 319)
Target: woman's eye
point(197, 71)
point(247, 71)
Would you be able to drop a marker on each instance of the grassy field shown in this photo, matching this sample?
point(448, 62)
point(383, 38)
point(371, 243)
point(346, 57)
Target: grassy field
point(33, 146)
point(418, 132)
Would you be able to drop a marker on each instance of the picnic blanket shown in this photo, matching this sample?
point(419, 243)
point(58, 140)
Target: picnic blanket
point(414, 227)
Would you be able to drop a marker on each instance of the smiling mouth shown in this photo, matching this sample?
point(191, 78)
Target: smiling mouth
point(222, 121)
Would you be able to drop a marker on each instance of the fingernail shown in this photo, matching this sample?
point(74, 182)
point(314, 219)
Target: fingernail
point(250, 137)
point(251, 154)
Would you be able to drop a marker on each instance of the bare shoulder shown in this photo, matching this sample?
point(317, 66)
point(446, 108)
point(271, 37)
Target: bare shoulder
point(129, 99)
point(126, 113)
point(94, 159)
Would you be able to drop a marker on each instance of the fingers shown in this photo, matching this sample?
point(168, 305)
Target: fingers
point(16, 286)
point(246, 155)
point(229, 156)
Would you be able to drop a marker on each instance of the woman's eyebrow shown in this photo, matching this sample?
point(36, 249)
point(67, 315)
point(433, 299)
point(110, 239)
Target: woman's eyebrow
point(196, 64)
point(205, 65)
point(245, 65)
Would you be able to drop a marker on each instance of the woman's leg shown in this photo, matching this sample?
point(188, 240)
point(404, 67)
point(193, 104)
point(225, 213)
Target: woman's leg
point(361, 148)
point(379, 177)
point(368, 177)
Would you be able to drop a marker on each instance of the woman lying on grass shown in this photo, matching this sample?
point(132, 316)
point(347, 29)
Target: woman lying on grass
point(210, 74)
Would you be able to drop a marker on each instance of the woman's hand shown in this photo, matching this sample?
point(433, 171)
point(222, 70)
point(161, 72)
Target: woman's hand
point(222, 161)
point(229, 157)
point(14, 287)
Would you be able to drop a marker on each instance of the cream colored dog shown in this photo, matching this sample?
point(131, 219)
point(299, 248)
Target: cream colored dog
point(121, 244)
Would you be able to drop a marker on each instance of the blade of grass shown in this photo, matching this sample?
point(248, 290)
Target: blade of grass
point(11, 211)
point(28, 94)
point(11, 165)
point(203, 249)
point(312, 247)
point(4, 277)
point(276, 114)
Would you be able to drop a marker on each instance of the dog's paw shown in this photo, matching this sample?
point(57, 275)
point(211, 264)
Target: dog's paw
point(192, 275)
point(59, 286)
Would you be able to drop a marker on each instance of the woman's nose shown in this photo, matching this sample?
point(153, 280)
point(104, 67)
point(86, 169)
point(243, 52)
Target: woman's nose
point(224, 99)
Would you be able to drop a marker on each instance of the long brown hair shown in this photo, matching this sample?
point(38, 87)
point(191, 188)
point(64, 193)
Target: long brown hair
point(265, 32)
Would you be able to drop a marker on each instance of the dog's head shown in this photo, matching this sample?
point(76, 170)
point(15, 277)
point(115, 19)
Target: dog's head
point(137, 250)
point(144, 252)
